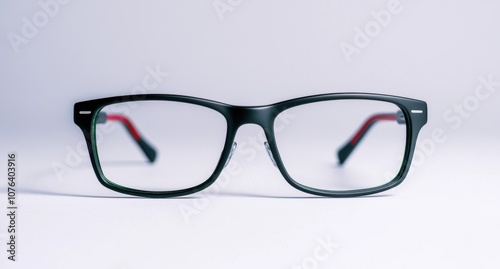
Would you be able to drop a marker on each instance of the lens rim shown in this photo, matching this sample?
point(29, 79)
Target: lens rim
point(117, 183)
point(87, 123)
point(85, 114)
point(415, 112)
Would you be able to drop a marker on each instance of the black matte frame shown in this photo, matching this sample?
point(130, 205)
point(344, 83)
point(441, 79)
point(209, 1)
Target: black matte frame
point(415, 112)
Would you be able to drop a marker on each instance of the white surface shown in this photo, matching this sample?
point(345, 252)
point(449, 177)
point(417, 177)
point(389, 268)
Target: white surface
point(445, 214)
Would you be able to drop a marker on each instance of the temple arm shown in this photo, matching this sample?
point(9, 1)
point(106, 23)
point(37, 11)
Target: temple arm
point(148, 150)
point(345, 151)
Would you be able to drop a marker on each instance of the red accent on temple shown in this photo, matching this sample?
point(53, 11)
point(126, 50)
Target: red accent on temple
point(368, 123)
point(131, 128)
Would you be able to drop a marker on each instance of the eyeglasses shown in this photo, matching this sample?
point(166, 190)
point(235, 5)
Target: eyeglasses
point(336, 145)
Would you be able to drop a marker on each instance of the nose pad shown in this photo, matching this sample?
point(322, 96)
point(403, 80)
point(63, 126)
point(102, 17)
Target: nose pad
point(268, 149)
point(231, 153)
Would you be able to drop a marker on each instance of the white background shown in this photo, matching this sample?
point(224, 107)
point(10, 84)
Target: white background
point(445, 215)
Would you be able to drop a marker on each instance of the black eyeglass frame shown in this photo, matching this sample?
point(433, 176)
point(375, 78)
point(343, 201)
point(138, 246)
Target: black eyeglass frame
point(415, 112)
